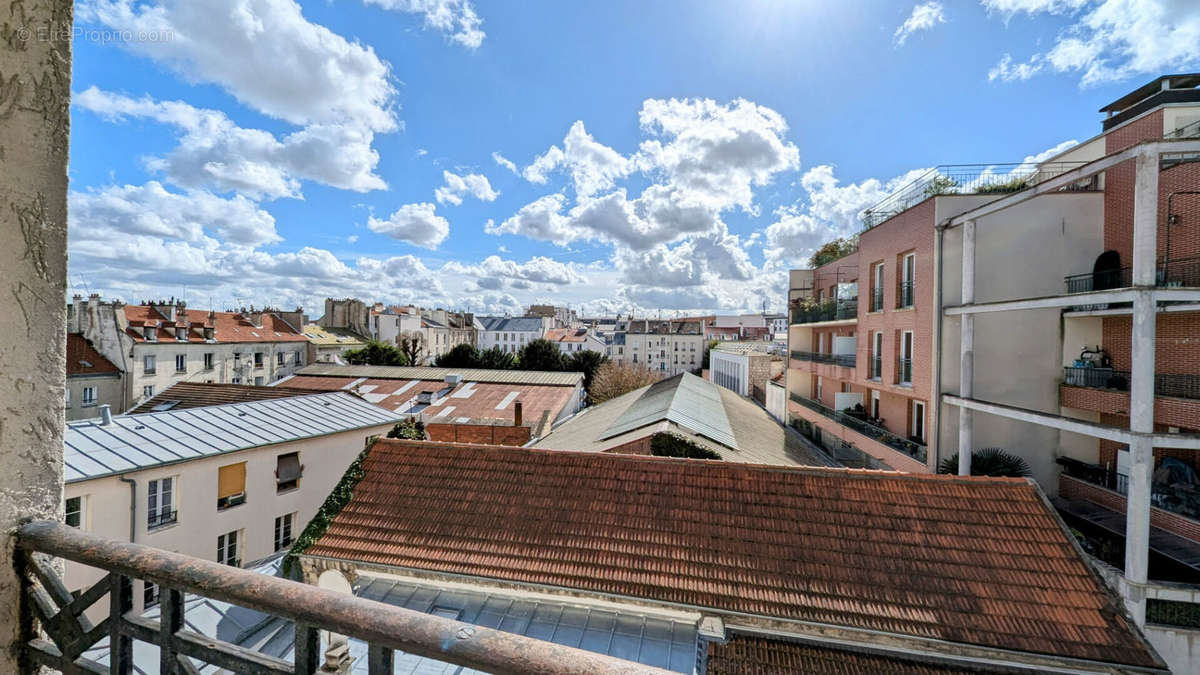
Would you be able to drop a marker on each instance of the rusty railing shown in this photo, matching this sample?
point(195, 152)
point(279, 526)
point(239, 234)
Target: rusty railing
point(48, 605)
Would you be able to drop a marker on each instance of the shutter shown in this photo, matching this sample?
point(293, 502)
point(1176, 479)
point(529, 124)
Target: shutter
point(231, 480)
point(288, 467)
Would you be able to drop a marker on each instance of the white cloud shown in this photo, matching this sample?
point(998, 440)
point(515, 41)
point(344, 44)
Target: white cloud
point(456, 187)
point(494, 272)
point(455, 18)
point(263, 52)
point(1109, 40)
point(592, 166)
point(416, 224)
point(503, 161)
point(924, 17)
point(214, 152)
point(540, 219)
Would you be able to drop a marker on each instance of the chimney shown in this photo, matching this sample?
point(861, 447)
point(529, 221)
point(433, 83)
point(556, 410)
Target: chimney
point(105, 415)
point(518, 416)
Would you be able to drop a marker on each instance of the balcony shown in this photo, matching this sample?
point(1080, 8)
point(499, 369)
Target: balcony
point(844, 360)
point(829, 310)
point(1174, 494)
point(54, 612)
point(1165, 384)
point(1171, 274)
point(971, 179)
point(911, 448)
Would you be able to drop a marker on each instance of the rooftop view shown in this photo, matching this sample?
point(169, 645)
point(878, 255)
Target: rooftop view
point(693, 336)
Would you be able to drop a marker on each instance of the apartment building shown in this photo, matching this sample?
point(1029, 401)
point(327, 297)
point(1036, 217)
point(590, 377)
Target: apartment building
point(510, 333)
point(562, 317)
point(327, 345)
point(671, 346)
point(744, 368)
point(232, 483)
point(572, 340)
point(92, 380)
point(158, 344)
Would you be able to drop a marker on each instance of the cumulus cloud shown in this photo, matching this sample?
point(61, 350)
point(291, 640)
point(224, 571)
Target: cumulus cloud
point(494, 272)
point(456, 19)
point(592, 166)
point(924, 17)
point(504, 162)
point(1108, 40)
point(456, 187)
point(540, 219)
point(263, 52)
point(213, 152)
point(417, 224)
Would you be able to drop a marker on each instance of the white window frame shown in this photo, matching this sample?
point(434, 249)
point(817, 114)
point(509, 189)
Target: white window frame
point(208, 361)
point(181, 363)
point(80, 512)
point(906, 353)
point(151, 594)
point(89, 397)
point(877, 353)
point(227, 548)
point(879, 279)
point(147, 391)
point(284, 526)
point(918, 419)
point(162, 507)
point(149, 364)
point(908, 274)
point(820, 387)
point(68, 389)
point(875, 404)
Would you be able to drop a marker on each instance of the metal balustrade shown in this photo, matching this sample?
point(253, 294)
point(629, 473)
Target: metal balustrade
point(829, 310)
point(904, 295)
point(1181, 272)
point(904, 371)
point(877, 300)
point(1165, 384)
point(1176, 498)
point(53, 611)
point(911, 448)
point(844, 360)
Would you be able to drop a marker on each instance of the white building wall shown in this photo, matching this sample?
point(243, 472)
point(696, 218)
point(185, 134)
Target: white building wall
point(107, 508)
point(777, 401)
point(233, 362)
point(730, 370)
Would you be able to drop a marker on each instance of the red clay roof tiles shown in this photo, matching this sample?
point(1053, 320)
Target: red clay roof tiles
point(762, 656)
point(83, 359)
point(972, 560)
point(227, 326)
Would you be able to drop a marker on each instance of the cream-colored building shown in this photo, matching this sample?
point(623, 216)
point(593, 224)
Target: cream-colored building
point(92, 380)
point(667, 346)
point(232, 483)
point(327, 345)
point(160, 344)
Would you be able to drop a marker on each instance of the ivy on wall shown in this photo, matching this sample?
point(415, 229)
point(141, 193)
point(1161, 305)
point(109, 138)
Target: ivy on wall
point(674, 445)
point(333, 505)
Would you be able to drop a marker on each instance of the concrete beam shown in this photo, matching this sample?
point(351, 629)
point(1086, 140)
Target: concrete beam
point(35, 60)
point(966, 373)
point(1076, 299)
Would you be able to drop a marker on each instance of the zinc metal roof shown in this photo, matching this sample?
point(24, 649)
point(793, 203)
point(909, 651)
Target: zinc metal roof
point(685, 400)
point(431, 373)
point(135, 442)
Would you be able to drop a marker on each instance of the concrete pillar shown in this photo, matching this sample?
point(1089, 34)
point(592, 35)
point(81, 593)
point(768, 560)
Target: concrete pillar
point(966, 375)
point(35, 64)
point(1141, 390)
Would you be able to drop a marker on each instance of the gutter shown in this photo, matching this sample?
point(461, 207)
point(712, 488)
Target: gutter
point(132, 507)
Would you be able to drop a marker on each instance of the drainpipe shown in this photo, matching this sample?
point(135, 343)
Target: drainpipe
point(132, 507)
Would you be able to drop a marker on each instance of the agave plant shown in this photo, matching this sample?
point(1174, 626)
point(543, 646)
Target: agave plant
point(989, 462)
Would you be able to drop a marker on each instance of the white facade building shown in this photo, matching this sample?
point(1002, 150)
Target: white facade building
point(510, 333)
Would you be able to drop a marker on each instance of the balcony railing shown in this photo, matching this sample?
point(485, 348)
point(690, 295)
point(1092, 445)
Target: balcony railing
point(1165, 384)
point(1170, 273)
point(829, 310)
point(877, 300)
point(876, 367)
point(964, 179)
point(904, 295)
point(844, 360)
point(1186, 131)
point(904, 371)
point(384, 627)
point(904, 445)
point(160, 518)
point(1180, 498)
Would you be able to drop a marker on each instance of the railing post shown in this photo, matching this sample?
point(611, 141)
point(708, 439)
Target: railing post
point(307, 649)
point(379, 660)
point(170, 622)
point(120, 601)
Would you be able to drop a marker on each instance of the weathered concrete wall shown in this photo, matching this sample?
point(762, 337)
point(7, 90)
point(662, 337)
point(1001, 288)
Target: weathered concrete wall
point(35, 86)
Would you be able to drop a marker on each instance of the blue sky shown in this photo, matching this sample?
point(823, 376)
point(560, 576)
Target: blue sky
point(615, 156)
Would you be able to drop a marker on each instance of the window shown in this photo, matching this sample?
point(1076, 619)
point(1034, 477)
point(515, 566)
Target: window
point(181, 363)
point(149, 594)
point(288, 470)
point(877, 355)
point(283, 531)
point(877, 290)
point(918, 421)
point(299, 360)
point(904, 372)
point(908, 271)
point(258, 359)
point(160, 501)
point(150, 333)
point(279, 358)
point(74, 516)
point(875, 404)
point(258, 381)
point(227, 549)
point(89, 396)
point(231, 485)
point(148, 391)
point(820, 386)
point(208, 361)
point(149, 364)
point(235, 380)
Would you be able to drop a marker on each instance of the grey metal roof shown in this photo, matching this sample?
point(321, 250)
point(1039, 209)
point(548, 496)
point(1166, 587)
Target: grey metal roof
point(517, 324)
point(653, 641)
point(134, 442)
point(686, 400)
point(432, 373)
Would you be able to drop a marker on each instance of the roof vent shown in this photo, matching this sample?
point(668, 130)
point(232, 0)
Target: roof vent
point(454, 379)
point(427, 397)
point(105, 414)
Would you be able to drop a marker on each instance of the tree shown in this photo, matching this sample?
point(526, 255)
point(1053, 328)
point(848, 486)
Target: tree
point(540, 355)
point(989, 462)
point(614, 379)
point(707, 348)
point(376, 353)
point(411, 344)
point(832, 250)
point(497, 359)
point(674, 445)
point(411, 429)
point(460, 356)
point(586, 362)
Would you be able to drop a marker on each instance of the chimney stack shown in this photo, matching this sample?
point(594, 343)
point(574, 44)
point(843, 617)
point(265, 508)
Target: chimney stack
point(105, 415)
point(518, 416)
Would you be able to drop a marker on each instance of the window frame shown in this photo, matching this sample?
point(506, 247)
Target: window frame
point(284, 525)
point(163, 513)
point(227, 548)
point(149, 364)
point(80, 512)
point(181, 363)
point(87, 401)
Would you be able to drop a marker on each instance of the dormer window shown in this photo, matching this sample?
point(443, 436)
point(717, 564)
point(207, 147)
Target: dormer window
point(150, 333)
point(181, 333)
point(208, 332)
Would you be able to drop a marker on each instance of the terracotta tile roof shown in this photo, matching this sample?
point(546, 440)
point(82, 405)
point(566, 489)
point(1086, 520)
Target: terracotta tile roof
point(203, 394)
point(983, 561)
point(743, 654)
point(227, 326)
point(83, 359)
point(566, 334)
